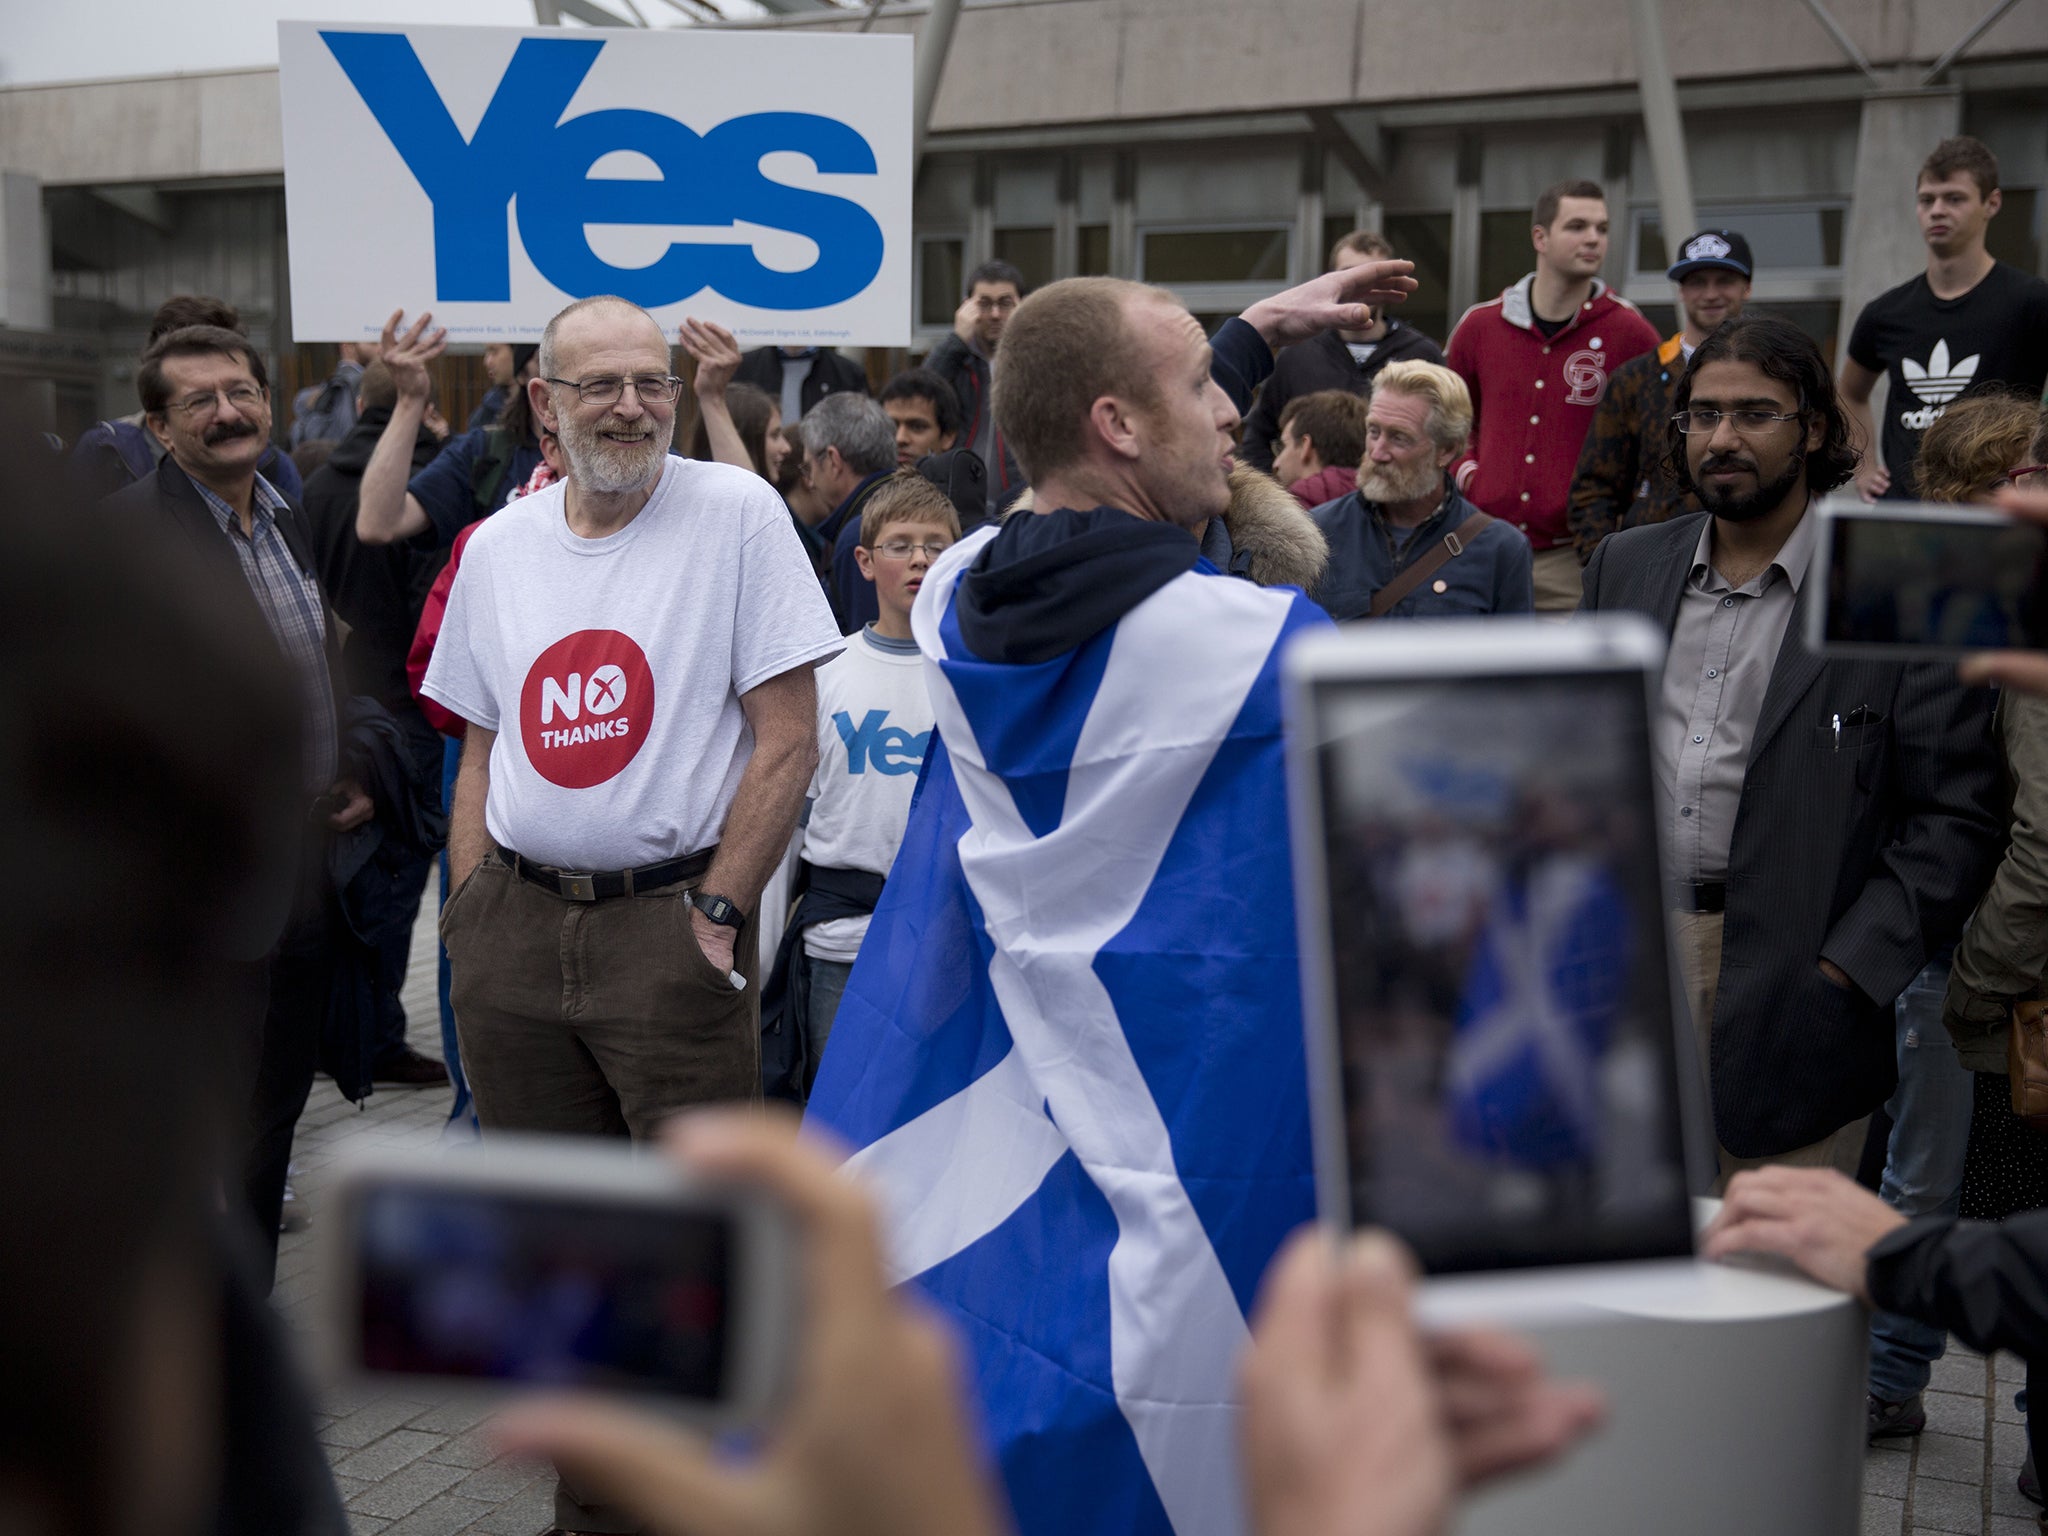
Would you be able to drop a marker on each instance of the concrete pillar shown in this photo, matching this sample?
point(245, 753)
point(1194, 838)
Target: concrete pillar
point(1881, 247)
point(24, 254)
point(1308, 217)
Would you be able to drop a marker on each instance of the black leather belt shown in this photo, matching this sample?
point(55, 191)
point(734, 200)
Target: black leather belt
point(1702, 896)
point(593, 885)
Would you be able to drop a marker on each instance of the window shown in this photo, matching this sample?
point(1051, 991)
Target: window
point(1092, 254)
point(941, 269)
point(1252, 253)
point(2014, 235)
point(1505, 251)
point(1425, 239)
point(1784, 238)
point(1029, 251)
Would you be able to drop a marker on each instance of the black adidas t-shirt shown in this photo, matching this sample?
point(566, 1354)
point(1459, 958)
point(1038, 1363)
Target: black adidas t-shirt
point(1936, 350)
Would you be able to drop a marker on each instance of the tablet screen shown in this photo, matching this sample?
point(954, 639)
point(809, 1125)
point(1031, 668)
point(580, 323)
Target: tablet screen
point(1503, 1009)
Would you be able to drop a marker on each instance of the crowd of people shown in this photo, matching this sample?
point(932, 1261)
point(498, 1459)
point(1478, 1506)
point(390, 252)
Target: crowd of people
point(834, 742)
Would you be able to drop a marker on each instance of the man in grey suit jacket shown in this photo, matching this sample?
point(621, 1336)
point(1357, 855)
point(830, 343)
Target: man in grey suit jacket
point(1831, 822)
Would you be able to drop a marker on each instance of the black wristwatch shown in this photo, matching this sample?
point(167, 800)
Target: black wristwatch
point(718, 909)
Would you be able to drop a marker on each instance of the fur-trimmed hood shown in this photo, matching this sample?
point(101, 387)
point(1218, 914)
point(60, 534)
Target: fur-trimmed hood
point(1274, 532)
point(1273, 540)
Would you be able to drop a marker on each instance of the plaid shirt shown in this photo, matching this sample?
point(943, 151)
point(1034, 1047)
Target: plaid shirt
point(290, 600)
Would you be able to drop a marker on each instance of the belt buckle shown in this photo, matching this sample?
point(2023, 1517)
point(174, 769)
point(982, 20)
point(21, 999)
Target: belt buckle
point(577, 887)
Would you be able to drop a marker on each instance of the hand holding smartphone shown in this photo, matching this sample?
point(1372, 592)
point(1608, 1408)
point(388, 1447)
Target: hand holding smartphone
point(867, 1430)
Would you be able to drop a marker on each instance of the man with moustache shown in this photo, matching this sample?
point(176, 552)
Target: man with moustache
point(1405, 544)
point(1622, 478)
point(206, 399)
point(632, 648)
point(1831, 821)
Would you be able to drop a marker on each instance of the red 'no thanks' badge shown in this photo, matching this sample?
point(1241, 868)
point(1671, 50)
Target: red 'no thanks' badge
point(586, 707)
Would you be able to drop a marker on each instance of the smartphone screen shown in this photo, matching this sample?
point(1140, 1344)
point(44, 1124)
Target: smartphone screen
point(1936, 582)
point(1509, 1076)
point(537, 1288)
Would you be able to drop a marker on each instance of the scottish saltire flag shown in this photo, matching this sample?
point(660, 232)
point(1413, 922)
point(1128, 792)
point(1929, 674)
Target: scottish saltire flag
point(1539, 1008)
point(1070, 1054)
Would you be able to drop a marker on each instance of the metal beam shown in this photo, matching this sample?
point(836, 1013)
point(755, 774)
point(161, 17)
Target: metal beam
point(1662, 125)
point(1963, 43)
point(1364, 157)
point(588, 13)
point(934, 42)
point(144, 204)
point(1843, 40)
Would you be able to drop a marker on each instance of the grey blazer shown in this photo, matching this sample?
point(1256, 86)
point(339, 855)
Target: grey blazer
point(1869, 853)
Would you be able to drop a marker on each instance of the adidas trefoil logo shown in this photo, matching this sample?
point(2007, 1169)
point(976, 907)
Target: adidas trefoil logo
point(1939, 382)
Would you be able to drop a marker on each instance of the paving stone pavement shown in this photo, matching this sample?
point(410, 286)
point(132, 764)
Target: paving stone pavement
point(409, 1465)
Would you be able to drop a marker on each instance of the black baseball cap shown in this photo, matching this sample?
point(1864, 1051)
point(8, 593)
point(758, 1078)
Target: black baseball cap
point(1714, 248)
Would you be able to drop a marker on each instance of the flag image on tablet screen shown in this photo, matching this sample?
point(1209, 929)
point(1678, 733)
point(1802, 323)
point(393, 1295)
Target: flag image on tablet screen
point(1492, 1041)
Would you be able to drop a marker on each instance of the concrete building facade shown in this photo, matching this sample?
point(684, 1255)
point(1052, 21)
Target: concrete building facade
point(1215, 148)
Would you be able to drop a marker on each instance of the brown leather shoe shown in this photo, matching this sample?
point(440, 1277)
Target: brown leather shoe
point(409, 1069)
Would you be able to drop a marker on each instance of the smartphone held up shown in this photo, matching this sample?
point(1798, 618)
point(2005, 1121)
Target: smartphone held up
point(528, 1263)
point(1906, 580)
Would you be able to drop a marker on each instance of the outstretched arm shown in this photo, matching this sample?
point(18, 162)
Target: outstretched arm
point(717, 356)
point(385, 511)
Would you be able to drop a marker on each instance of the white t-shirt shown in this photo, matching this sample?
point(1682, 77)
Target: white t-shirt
point(611, 668)
point(874, 724)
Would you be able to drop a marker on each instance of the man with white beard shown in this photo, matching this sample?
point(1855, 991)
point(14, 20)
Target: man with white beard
point(1405, 544)
point(632, 647)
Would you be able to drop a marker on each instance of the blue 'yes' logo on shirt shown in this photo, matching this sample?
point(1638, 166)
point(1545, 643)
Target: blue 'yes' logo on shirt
point(524, 149)
point(876, 744)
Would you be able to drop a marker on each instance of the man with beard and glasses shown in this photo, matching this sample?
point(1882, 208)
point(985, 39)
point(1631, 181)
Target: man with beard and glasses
point(206, 398)
point(632, 650)
point(1831, 822)
point(1405, 544)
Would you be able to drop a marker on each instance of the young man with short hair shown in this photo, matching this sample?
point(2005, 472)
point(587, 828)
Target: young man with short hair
point(1341, 359)
point(1537, 361)
point(1322, 440)
point(1623, 477)
point(874, 723)
point(926, 413)
point(1405, 544)
point(1966, 322)
point(966, 361)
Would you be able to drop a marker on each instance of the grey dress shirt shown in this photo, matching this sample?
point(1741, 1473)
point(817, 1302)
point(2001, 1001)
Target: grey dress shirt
point(1724, 646)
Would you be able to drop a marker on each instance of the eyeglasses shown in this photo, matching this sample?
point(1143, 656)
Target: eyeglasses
point(988, 305)
point(243, 397)
point(1746, 423)
point(2015, 476)
point(605, 389)
point(903, 549)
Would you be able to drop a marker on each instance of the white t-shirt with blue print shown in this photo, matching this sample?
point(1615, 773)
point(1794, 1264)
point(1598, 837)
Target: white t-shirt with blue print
point(874, 723)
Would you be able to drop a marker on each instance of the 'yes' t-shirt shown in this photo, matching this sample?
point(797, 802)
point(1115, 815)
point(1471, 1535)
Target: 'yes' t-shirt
point(1937, 350)
point(874, 725)
point(612, 668)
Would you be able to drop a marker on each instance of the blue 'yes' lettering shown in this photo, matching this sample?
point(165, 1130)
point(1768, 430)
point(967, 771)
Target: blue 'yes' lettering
point(886, 748)
point(524, 149)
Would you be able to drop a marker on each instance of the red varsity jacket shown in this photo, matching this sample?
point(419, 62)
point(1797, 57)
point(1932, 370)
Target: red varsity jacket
point(1533, 401)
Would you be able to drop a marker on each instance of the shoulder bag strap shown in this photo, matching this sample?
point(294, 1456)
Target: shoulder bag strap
point(1426, 565)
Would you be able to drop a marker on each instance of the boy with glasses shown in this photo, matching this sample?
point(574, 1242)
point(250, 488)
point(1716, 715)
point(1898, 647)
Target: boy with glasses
point(874, 723)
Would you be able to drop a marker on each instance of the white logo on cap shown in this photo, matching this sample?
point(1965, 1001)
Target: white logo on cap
point(1707, 248)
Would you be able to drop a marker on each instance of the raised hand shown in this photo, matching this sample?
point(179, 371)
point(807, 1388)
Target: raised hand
point(1342, 299)
point(715, 352)
point(408, 354)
